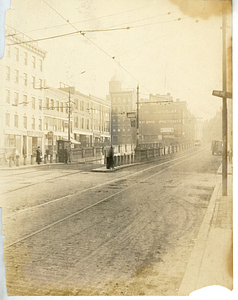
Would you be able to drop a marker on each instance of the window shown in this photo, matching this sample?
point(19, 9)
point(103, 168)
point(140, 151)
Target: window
point(67, 110)
point(47, 103)
point(62, 107)
point(40, 80)
point(24, 100)
point(8, 52)
point(52, 103)
point(76, 101)
point(87, 124)
point(25, 122)
point(82, 105)
point(46, 123)
point(7, 119)
point(16, 76)
point(40, 124)
point(16, 121)
point(8, 73)
point(82, 123)
point(33, 124)
point(25, 58)
point(33, 81)
point(25, 79)
point(57, 105)
point(33, 102)
point(55, 124)
point(41, 64)
point(16, 98)
point(34, 62)
point(40, 104)
point(17, 54)
point(76, 122)
point(8, 96)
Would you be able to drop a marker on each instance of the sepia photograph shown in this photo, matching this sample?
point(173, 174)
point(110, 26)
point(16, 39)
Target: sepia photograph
point(116, 147)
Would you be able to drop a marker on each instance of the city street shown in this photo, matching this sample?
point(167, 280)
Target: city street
point(70, 231)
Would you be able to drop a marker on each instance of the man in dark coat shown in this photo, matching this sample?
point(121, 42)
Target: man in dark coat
point(66, 156)
point(111, 157)
point(38, 155)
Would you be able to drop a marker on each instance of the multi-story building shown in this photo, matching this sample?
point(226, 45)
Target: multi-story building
point(88, 117)
point(122, 102)
point(33, 114)
point(56, 117)
point(21, 93)
point(99, 109)
point(164, 120)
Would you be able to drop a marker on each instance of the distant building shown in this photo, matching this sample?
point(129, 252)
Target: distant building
point(21, 93)
point(122, 101)
point(164, 120)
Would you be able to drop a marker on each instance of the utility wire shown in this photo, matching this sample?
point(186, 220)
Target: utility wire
point(113, 57)
point(82, 32)
point(93, 19)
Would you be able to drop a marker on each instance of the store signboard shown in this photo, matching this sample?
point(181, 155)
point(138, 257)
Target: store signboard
point(166, 129)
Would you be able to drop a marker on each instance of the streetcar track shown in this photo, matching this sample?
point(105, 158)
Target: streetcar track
point(111, 182)
point(107, 198)
point(47, 180)
point(80, 171)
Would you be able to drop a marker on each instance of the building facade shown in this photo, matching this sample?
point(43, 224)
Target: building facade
point(21, 93)
point(164, 120)
point(33, 114)
point(122, 102)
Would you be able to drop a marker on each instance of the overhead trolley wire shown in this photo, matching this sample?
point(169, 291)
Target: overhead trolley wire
point(93, 19)
point(112, 57)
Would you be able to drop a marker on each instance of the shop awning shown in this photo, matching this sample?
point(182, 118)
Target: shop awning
point(73, 141)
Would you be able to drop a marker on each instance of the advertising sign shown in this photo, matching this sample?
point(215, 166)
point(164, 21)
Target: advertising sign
point(166, 129)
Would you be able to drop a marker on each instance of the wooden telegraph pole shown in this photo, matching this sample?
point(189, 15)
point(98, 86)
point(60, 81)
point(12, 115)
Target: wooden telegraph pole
point(137, 118)
point(224, 103)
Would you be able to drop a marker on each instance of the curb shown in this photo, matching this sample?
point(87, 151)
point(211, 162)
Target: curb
point(28, 166)
point(190, 277)
point(104, 170)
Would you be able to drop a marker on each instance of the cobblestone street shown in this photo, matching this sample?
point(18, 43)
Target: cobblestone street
point(69, 231)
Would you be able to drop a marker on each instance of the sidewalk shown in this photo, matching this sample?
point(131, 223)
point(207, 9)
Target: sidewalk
point(211, 261)
point(14, 167)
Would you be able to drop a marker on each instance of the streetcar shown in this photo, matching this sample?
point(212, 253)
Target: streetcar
point(216, 147)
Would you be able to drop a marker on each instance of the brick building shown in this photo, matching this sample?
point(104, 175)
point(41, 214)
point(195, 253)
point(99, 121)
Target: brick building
point(33, 114)
point(164, 120)
point(21, 93)
point(122, 101)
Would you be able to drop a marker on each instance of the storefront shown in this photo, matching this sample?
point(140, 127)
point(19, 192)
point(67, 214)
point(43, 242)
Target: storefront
point(34, 140)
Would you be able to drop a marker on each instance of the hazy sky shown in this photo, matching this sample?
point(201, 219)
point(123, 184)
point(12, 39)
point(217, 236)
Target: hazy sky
point(172, 46)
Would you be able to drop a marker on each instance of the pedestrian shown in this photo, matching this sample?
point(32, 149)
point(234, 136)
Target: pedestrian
point(107, 154)
point(66, 156)
point(111, 158)
point(14, 155)
point(38, 155)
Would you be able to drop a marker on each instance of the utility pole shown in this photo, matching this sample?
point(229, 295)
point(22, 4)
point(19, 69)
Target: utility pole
point(137, 118)
point(224, 106)
point(69, 127)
